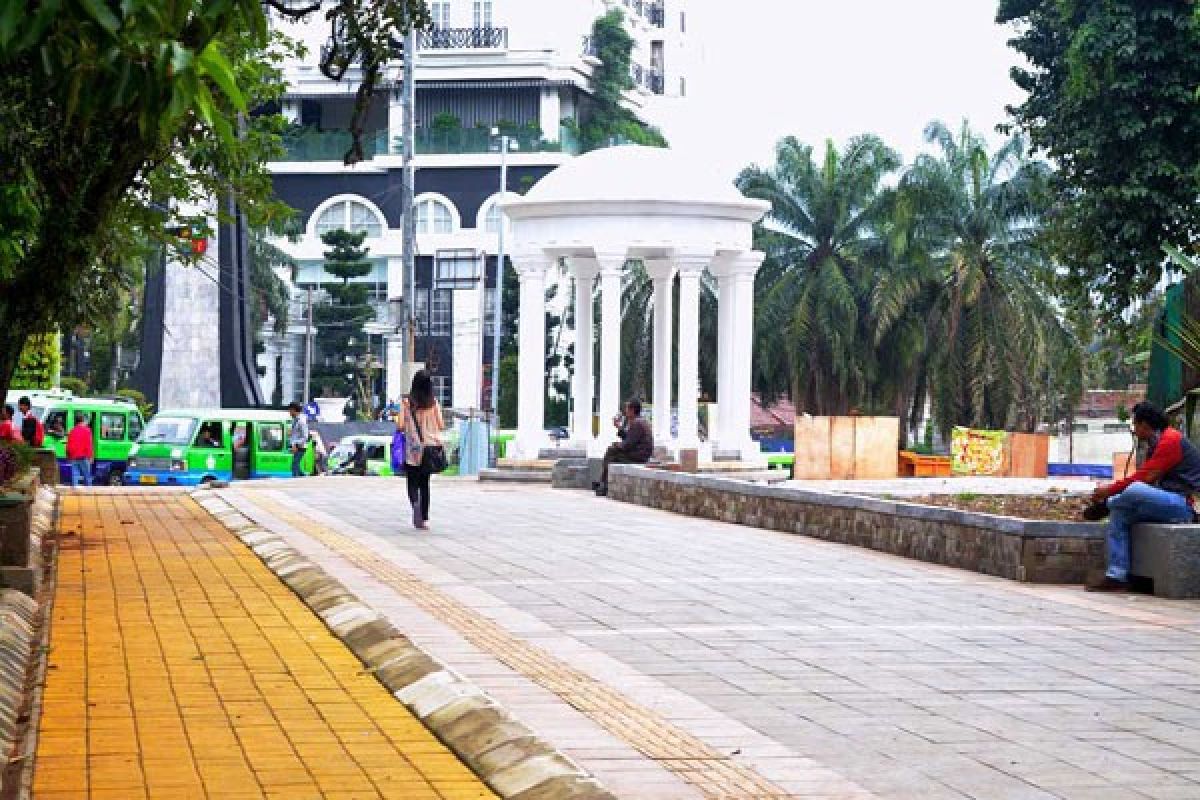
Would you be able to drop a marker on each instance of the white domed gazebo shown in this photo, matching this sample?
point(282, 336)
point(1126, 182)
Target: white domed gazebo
point(600, 211)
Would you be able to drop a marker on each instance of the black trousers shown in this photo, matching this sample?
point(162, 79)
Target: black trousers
point(417, 479)
point(615, 455)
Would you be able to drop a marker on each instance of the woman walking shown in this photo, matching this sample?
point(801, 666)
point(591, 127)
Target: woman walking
point(421, 418)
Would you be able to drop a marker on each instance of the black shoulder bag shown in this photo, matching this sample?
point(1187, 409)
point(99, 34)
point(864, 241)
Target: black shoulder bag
point(433, 456)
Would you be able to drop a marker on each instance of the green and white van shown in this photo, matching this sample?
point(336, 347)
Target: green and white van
point(186, 447)
point(379, 453)
point(115, 423)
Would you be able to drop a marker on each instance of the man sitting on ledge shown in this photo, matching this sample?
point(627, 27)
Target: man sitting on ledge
point(636, 445)
point(1160, 491)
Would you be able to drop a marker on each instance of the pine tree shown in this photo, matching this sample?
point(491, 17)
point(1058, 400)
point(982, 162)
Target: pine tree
point(340, 340)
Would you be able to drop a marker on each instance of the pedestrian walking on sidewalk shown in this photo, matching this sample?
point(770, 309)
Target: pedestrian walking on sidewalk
point(81, 449)
point(421, 418)
point(297, 438)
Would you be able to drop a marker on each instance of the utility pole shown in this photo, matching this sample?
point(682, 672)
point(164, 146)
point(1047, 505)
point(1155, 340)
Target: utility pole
point(498, 320)
point(409, 233)
point(308, 349)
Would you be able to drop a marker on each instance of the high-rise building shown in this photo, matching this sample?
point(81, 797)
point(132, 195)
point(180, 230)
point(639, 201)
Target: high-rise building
point(521, 67)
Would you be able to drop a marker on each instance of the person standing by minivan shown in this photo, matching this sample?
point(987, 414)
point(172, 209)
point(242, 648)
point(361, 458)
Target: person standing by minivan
point(297, 438)
point(81, 450)
point(421, 418)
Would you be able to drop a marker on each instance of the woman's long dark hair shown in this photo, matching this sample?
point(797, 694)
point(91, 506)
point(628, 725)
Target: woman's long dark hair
point(421, 394)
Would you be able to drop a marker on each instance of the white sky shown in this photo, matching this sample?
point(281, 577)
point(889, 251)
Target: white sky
point(822, 69)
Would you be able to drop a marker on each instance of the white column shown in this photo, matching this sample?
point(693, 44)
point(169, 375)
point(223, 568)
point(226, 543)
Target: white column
point(395, 120)
point(742, 345)
point(395, 375)
point(612, 268)
point(662, 272)
point(531, 354)
point(550, 113)
point(584, 271)
point(690, 268)
point(721, 269)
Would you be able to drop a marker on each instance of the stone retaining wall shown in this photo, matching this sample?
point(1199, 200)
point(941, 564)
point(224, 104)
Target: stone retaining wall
point(1037, 552)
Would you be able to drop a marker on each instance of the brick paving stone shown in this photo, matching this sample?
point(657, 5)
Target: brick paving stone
point(902, 678)
point(179, 666)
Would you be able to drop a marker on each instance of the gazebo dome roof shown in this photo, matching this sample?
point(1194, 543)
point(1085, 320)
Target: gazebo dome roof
point(632, 174)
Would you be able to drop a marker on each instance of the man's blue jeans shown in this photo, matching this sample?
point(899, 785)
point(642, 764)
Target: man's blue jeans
point(1138, 503)
point(297, 457)
point(81, 468)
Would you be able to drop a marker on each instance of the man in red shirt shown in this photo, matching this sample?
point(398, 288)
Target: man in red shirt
point(8, 431)
point(80, 451)
point(1160, 491)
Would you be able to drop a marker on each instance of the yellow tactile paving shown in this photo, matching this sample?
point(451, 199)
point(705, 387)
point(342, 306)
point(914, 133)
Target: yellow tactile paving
point(180, 667)
point(715, 774)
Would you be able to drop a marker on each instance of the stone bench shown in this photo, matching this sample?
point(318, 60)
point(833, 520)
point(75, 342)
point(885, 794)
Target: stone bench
point(1168, 555)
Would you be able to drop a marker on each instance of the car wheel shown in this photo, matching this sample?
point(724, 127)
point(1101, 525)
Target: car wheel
point(116, 478)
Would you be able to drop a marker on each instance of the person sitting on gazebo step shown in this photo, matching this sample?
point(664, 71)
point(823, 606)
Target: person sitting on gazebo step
point(636, 445)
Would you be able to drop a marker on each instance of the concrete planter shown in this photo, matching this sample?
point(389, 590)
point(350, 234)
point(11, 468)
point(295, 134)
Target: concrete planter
point(1023, 550)
point(45, 460)
point(26, 514)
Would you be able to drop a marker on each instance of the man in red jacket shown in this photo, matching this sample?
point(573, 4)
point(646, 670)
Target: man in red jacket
point(80, 451)
point(1160, 491)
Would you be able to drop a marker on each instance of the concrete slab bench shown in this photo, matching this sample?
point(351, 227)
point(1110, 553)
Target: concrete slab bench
point(1168, 555)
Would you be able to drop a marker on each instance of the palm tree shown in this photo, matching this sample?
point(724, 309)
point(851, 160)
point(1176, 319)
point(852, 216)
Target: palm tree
point(815, 326)
point(992, 315)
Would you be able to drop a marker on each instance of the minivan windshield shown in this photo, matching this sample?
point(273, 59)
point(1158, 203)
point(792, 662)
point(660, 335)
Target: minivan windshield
point(169, 430)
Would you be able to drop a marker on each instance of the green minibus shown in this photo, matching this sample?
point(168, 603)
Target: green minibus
point(186, 447)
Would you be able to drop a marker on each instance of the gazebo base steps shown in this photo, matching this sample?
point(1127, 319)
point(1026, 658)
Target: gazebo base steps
point(515, 476)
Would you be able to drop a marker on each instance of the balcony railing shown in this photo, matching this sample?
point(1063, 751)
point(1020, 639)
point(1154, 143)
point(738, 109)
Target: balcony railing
point(464, 39)
point(314, 145)
point(479, 140)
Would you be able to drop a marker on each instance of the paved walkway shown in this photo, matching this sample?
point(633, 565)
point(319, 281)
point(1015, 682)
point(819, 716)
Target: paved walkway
point(181, 667)
point(682, 658)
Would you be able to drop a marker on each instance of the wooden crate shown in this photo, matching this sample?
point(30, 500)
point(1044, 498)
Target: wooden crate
point(846, 448)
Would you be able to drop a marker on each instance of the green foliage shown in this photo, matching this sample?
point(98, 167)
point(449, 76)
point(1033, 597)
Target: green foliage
point(271, 296)
point(76, 386)
point(816, 325)
point(874, 299)
point(22, 458)
point(606, 119)
point(139, 399)
point(340, 338)
point(1112, 103)
point(112, 112)
point(508, 391)
point(40, 362)
point(998, 330)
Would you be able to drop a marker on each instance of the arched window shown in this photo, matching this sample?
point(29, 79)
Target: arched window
point(490, 216)
point(352, 216)
point(434, 216)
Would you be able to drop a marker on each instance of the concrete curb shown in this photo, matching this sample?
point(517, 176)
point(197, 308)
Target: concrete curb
point(501, 750)
point(21, 673)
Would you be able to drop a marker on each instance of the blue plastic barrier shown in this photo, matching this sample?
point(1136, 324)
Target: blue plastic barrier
point(1080, 471)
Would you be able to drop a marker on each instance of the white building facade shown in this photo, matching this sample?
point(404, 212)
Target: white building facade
point(520, 66)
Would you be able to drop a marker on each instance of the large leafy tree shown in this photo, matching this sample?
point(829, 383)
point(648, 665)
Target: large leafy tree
point(1112, 102)
point(340, 339)
point(999, 335)
point(816, 327)
point(112, 112)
